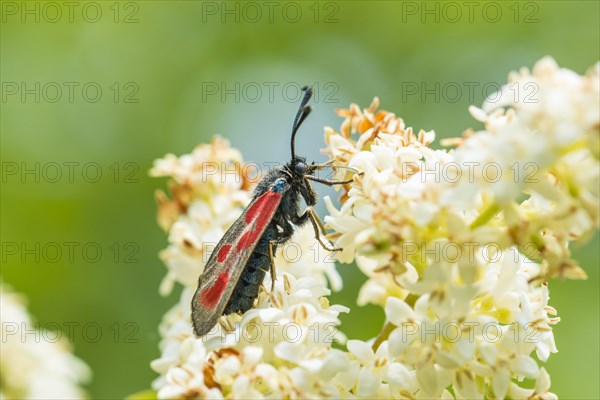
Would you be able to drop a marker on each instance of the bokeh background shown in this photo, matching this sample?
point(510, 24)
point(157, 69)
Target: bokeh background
point(173, 73)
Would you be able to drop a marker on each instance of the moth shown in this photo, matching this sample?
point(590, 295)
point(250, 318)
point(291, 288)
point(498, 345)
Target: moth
point(238, 264)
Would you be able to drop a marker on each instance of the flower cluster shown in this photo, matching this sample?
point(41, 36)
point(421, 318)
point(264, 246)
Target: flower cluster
point(457, 246)
point(32, 368)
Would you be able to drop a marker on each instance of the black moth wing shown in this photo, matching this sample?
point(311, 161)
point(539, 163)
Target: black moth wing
point(228, 259)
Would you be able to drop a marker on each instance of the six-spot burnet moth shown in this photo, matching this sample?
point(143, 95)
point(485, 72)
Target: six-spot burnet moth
point(237, 266)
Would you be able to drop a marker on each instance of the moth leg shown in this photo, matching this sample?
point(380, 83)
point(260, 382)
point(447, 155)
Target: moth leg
point(300, 219)
point(272, 244)
point(287, 231)
point(324, 165)
point(329, 163)
point(318, 227)
point(327, 182)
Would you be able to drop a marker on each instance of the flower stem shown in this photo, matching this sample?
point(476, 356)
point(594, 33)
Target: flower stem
point(485, 216)
point(411, 299)
point(383, 335)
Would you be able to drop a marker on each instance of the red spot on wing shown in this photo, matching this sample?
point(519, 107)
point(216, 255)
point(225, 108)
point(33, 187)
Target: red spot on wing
point(210, 296)
point(258, 215)
point(266, 204)
point(223, 252)
point(247, 239)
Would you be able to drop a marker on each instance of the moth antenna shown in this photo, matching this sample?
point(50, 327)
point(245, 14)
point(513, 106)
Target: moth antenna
point(301, 115)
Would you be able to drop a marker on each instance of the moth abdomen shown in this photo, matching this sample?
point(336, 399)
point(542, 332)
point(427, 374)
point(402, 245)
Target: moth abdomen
point(253, 274)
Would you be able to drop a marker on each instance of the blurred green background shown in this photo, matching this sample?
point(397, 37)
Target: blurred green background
point(110, 86)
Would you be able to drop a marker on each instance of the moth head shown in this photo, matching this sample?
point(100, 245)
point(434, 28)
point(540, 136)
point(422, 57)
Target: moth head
point(300, 167)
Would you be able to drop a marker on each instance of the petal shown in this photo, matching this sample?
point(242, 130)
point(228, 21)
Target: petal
point(542, 384)
point(362, 351)
point(400, 339)
point(427, 377)
point(397, 311)
point(367, 383)
point(501, 380)
point(399, 376)
point(525, 366)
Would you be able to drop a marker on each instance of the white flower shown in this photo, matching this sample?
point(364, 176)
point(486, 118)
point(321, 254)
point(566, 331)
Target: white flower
point(506, 320)
point(33, 367)
point(441, 235)
point(293, 327)
point(556, 102)
point(204, 168)
point(500, 161)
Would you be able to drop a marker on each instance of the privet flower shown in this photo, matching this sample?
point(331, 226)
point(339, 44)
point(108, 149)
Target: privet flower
point(457, 246)
point(34, 364)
